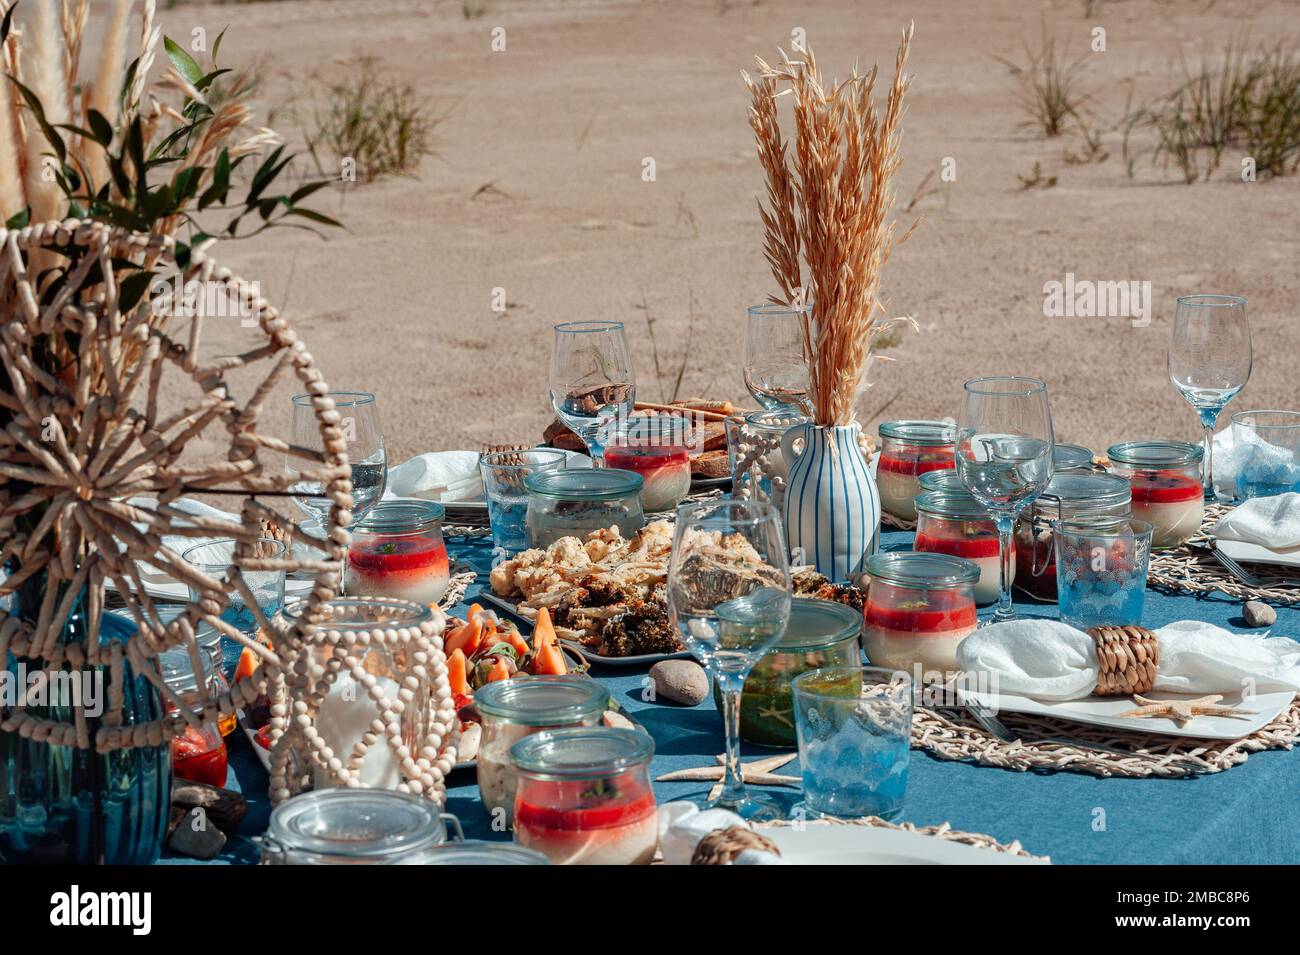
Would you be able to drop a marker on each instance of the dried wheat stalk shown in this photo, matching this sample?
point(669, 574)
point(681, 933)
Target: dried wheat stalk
point(827, 229)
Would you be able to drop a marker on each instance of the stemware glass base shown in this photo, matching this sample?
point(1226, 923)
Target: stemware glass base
point(753, 806)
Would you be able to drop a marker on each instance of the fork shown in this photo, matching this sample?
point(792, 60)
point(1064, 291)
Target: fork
point(1245, 576)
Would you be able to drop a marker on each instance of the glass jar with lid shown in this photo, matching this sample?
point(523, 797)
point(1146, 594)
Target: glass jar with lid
point(575, 503)
point(945, 482)
point(355, 827)
point(1068, 495)
point(510, 710)
point(198, 755)
point(480, 852)
point(909, 449)
point(1072, 457)
point(1167, 491)
point(398, 551)
point(821, 633)
point(657, 447)
point(919, 607)
point(959, 525)
point(585, 796)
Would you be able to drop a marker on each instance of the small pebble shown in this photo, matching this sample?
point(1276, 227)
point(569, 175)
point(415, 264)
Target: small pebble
point(1258, 614)
point(197, 837)
point(680, 681)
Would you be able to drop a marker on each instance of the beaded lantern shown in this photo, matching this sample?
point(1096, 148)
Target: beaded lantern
point(97, 453)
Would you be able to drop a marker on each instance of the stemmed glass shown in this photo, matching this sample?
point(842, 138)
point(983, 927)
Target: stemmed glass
point(1209, 361)
point(592, 384)
point(729, 595)
point(776, 363)
point(1004, 456)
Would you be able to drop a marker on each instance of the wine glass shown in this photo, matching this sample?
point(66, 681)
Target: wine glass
point(729, 595)
point(776, 362)
point(359, 422)
point(1209, 361)
point(592, 384)
point(1004, 456)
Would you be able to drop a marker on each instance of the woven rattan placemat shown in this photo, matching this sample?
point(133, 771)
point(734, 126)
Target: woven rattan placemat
point(944, 831)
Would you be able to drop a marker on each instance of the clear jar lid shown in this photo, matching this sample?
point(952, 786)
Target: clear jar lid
point(922, 571)
point(815, 624)
point(946, 481)
point(653, 431)
point(402, 517)
point(956, 507)
point(923, 433)
point(1066, 457)
point(1155, 454)
point(1077, 492)
point(582, 753)
point(480, 852)
point(354, 825)
point(542, 700)
point(585, 484)
point(352, 614)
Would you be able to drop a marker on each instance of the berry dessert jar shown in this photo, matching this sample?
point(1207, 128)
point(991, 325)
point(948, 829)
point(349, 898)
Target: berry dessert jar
point(909, 449)
point(510, 710)
point(1167, 491)
point(1068, 495)
point(585, 798)
point(658, 449)
point(919, 607)
point(959, 525)
point(398, 551)
point(575, 503)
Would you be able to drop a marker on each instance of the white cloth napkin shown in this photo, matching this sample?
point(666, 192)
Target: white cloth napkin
point(1272, 522)
point(682, 825)
point(186, 505)
point(449, 476)
point(1050, 660)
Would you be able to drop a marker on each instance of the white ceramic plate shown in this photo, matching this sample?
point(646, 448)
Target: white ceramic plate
point(1254, 553)
point(1101, 711)
point(868, 845)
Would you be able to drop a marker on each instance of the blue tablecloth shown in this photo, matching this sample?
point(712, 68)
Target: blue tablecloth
point(1244, 815)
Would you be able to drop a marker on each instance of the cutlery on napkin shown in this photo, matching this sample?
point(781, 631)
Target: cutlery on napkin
point(1271, 522)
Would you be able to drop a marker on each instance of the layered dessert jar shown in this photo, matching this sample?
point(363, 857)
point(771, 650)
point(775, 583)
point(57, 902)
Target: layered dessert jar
point(909, 449)
point(584, 796)
point(919, 607)
point(1069, 495)
point(1167, 491)
point(820, 633)
point(959, 525)
point(199, 755)
point(398, 551)
point(658, 449)
point(511, 710)
point(575, 503)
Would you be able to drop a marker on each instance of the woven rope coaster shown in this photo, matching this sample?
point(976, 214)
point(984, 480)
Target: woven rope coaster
point(462, 575)
point(1193, 569)
point(954, 734)
point(944, 831)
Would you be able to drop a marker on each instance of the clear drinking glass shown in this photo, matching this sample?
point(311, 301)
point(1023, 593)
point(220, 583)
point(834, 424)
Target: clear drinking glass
point(359, 421)
point(1101, 571)
point(1266, 445)
point(855, 729)
point(776, 363)
point(214, 558)
point(1004, 456)
point(729, 595)
point(592, 384)
point(507, 498)
point(1209, 361)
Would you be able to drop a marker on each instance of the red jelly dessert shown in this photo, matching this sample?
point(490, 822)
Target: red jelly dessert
point(924, 630)
point(199, 758)
point(665, 469)
point(908, 450)
point(582, 822)
point(409, 567)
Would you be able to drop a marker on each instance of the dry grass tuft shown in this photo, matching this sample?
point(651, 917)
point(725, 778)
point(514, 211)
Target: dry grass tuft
point(827, 229)
point(1049, 86)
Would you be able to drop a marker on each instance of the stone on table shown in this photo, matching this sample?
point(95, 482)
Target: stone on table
point(680, 681)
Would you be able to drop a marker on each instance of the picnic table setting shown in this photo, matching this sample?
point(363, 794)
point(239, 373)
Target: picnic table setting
point(682, 633)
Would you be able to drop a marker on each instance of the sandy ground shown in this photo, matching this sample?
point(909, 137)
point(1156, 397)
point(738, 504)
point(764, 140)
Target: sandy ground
point(559, 125)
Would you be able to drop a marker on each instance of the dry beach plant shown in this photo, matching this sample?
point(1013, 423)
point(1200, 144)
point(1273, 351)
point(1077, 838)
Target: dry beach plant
point(828, 231)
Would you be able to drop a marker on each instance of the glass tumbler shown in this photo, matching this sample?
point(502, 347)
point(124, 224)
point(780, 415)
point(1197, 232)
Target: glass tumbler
point(1266, 446)
point(1101, 571)
point(507, 498)
point(214, 558)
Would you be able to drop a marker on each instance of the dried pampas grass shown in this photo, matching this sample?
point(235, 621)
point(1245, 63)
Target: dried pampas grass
point(826, 220)
point(45, 73)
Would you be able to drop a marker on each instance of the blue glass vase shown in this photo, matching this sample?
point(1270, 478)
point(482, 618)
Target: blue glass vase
point(59, 804)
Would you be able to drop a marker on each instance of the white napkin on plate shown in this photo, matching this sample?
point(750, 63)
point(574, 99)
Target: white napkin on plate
point(449, 476)
point(1052, 661)
point(1272, 522)
point(682, 825)
point(186, 505)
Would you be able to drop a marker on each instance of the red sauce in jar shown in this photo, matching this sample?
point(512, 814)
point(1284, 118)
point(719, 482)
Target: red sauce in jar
point(196, 759)
point(916, 460)
point(585, 812)
point(400, 556)
point(1164, 487)
point(646, 460)
point(940, 612)
point(968, 547)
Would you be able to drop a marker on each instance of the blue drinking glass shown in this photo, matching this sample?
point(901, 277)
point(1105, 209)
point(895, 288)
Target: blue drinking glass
point(1266, 445)
point(1101, 571)
point(507, 499)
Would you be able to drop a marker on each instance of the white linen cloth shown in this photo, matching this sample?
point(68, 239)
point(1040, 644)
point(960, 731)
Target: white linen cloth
point(1272, 522)
point(186, 505)
point(448, 476)
point(682, 825)
point(1052, 661)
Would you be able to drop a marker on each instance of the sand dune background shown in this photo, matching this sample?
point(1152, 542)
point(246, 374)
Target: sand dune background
point(558, 127)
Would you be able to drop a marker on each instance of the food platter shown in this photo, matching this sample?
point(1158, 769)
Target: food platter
point(643, 659)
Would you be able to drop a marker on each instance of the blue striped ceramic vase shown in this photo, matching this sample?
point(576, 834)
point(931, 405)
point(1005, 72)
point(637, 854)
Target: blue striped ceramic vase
point(832, 507)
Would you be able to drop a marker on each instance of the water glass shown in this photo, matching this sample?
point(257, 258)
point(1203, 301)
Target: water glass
point(592, 384)
point(855, 727)
point(1266, 446)
point(776, 364)
point(1101, 571)
point(214, 558)
point(507, 498)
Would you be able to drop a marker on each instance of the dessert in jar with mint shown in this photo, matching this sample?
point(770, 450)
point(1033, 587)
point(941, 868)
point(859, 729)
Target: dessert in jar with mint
point(657, 447)
point(398, 551)
point(1167, 491)
point(919, 607)
point(909, 449)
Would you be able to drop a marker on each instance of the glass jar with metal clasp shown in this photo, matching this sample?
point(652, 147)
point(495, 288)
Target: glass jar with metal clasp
point(355, 827)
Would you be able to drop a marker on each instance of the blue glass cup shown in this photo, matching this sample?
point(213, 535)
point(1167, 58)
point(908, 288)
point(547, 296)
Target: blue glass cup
point(1266, 446)
point(854, 726)
point(1101, 571)
point(507, 499)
